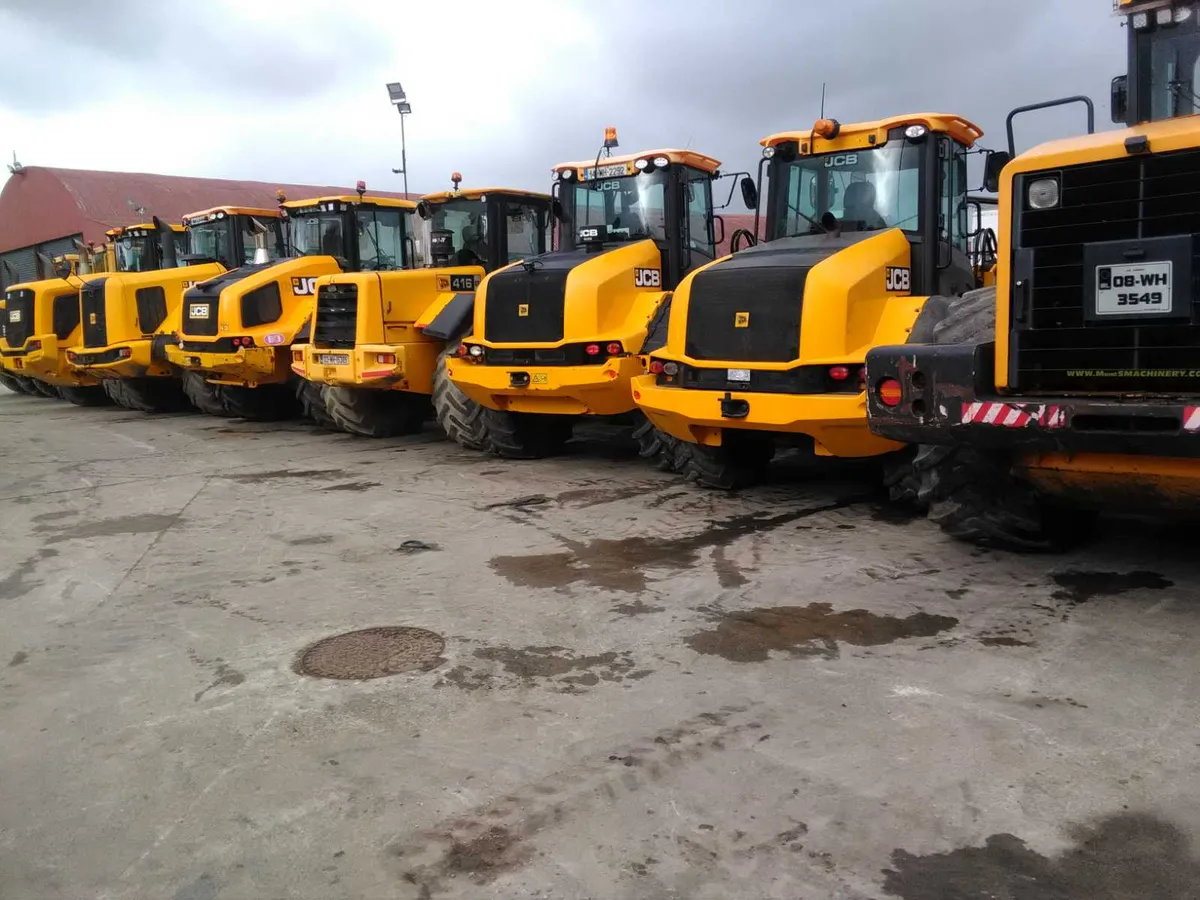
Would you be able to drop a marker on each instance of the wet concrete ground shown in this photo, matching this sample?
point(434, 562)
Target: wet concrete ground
point(645, 690)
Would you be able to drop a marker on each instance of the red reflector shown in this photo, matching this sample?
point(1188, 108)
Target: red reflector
point(461, 351)
point(656, 367)
point(839, 373)
point(592, 349)
point(615, 349)
point(889, 392)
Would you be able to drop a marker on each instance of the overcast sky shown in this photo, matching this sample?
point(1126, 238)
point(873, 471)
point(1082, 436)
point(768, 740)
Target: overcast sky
point(293, 90)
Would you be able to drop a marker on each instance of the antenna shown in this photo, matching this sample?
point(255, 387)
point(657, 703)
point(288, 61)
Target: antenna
point(15, 167)
point(822, 99)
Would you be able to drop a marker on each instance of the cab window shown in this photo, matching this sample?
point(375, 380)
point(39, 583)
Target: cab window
point(525, 231)
point(698, 206)
point(953, 216)
point(380, 239)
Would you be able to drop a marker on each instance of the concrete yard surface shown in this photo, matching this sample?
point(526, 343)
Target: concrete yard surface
point(631, 688)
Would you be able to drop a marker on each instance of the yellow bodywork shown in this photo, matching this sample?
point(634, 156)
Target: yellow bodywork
point(267, 360)
point(44, 355)
point(601, 306)
point(843, 316)
point(129, 351)
point(390, 349)
point(1165, 137)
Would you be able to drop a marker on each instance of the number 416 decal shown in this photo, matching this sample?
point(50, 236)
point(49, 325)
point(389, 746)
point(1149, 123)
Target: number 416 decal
point(899, 279)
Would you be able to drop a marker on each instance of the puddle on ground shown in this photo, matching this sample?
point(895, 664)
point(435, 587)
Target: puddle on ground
point(144, 523)
point(280, 474)
point(311, 541)
point(355, 486)
point(637, 608)
point(1081, 586)
point(555, 665)
point(813, 630)
point(1124, 857)
point(619, 564)
point(14, 584)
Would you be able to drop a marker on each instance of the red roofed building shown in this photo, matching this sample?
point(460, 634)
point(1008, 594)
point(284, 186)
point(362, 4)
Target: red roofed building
point(45, 210)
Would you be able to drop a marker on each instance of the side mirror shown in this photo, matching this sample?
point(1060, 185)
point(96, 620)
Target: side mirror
point(1119, 101)
point(749, 193)
point(992, 167)
point(424, 210)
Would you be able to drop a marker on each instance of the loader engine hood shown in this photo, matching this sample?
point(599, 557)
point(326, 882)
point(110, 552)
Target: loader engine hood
point(748, 307)
point(526, 303)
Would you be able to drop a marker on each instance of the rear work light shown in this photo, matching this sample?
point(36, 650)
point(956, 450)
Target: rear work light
point(475, 351)
point(889, 392)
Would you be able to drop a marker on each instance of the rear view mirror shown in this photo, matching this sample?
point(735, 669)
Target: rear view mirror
point(1119, 101)
point(424, 210)
point(749, 193)
point(993, 165)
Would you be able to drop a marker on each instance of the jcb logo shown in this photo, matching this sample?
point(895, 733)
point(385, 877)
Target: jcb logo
point(189, 284)
point(198, 311)
point(899, 279)
point(443, 283)
point(650, 278)
point(523, 309)
point(14, 315)
point(589, 234)
point(841, 160)
point(741, 320)
point(305, 286)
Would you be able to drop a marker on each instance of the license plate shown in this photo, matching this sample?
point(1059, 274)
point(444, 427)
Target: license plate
point(604, 172)
point(540, 378)
point(1134, 289)
point(334, 359)
point(738, 375)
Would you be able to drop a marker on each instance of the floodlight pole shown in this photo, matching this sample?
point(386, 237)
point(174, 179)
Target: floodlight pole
point(403, 155)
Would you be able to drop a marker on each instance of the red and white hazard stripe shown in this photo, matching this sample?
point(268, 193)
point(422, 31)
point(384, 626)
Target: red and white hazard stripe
point(1191, 418)
point(1013, 415)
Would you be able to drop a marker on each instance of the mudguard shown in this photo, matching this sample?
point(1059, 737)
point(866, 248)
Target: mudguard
point(449, 316)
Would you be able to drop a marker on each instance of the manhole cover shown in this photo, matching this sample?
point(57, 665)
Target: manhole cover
point(372, 653)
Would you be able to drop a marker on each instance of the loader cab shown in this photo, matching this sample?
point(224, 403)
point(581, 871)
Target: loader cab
point(488, 227)
point(1164, 62)
point(659, 195)
point(831, 187)
point(140, 248)
point(232, 235)
point(364, 234)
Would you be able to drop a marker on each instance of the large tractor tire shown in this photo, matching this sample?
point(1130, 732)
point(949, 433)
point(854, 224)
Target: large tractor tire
point(656, 447)
point(268, 403)
point(204, 395)
point(311, 397)
point(972, 494)
point(526, 435)
point(148, 395)
point(85, 396)
point(12, 382)
point(376, 414)
point(46, 390)
point(25, 385)
point(742, 460)
point(459, 416)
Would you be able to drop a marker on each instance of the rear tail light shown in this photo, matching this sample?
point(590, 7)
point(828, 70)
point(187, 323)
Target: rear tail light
point(592, 349)
point(889, 392)
point(386, 359)
point(839, 373)
point(70, 356)
point(461, 350)
point(615, 349)
point(297, 356)
point(656, 367)
point(124, 353)
point(33, 345)
point(862, 378)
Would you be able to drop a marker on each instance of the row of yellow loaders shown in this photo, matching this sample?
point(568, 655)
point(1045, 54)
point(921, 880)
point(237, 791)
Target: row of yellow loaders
point(1014, 380)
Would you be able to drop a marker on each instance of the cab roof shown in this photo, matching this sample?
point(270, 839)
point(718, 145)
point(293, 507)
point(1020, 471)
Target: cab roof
point(679, 157)
point(205, 214)
point(365, 200)
point(148, 226)
point(476, 193)
point(859, 133)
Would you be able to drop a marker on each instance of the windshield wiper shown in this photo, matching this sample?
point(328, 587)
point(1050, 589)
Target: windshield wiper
point(1183, 91)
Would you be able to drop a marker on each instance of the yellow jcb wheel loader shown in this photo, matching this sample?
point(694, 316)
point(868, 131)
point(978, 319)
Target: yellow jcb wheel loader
point(380, 342)
point(131, 317)
point(556, 337)
point(238, 329)
point(41, 321)
point(766, 347)
point(1073, 386)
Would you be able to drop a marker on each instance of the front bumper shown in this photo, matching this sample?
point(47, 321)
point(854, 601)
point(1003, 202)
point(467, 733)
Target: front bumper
point(129, 359)
point(837, 423)
point(603, 390)
point(412, 368)
point(48, 363)
point(948, 397)
point(246, 366)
